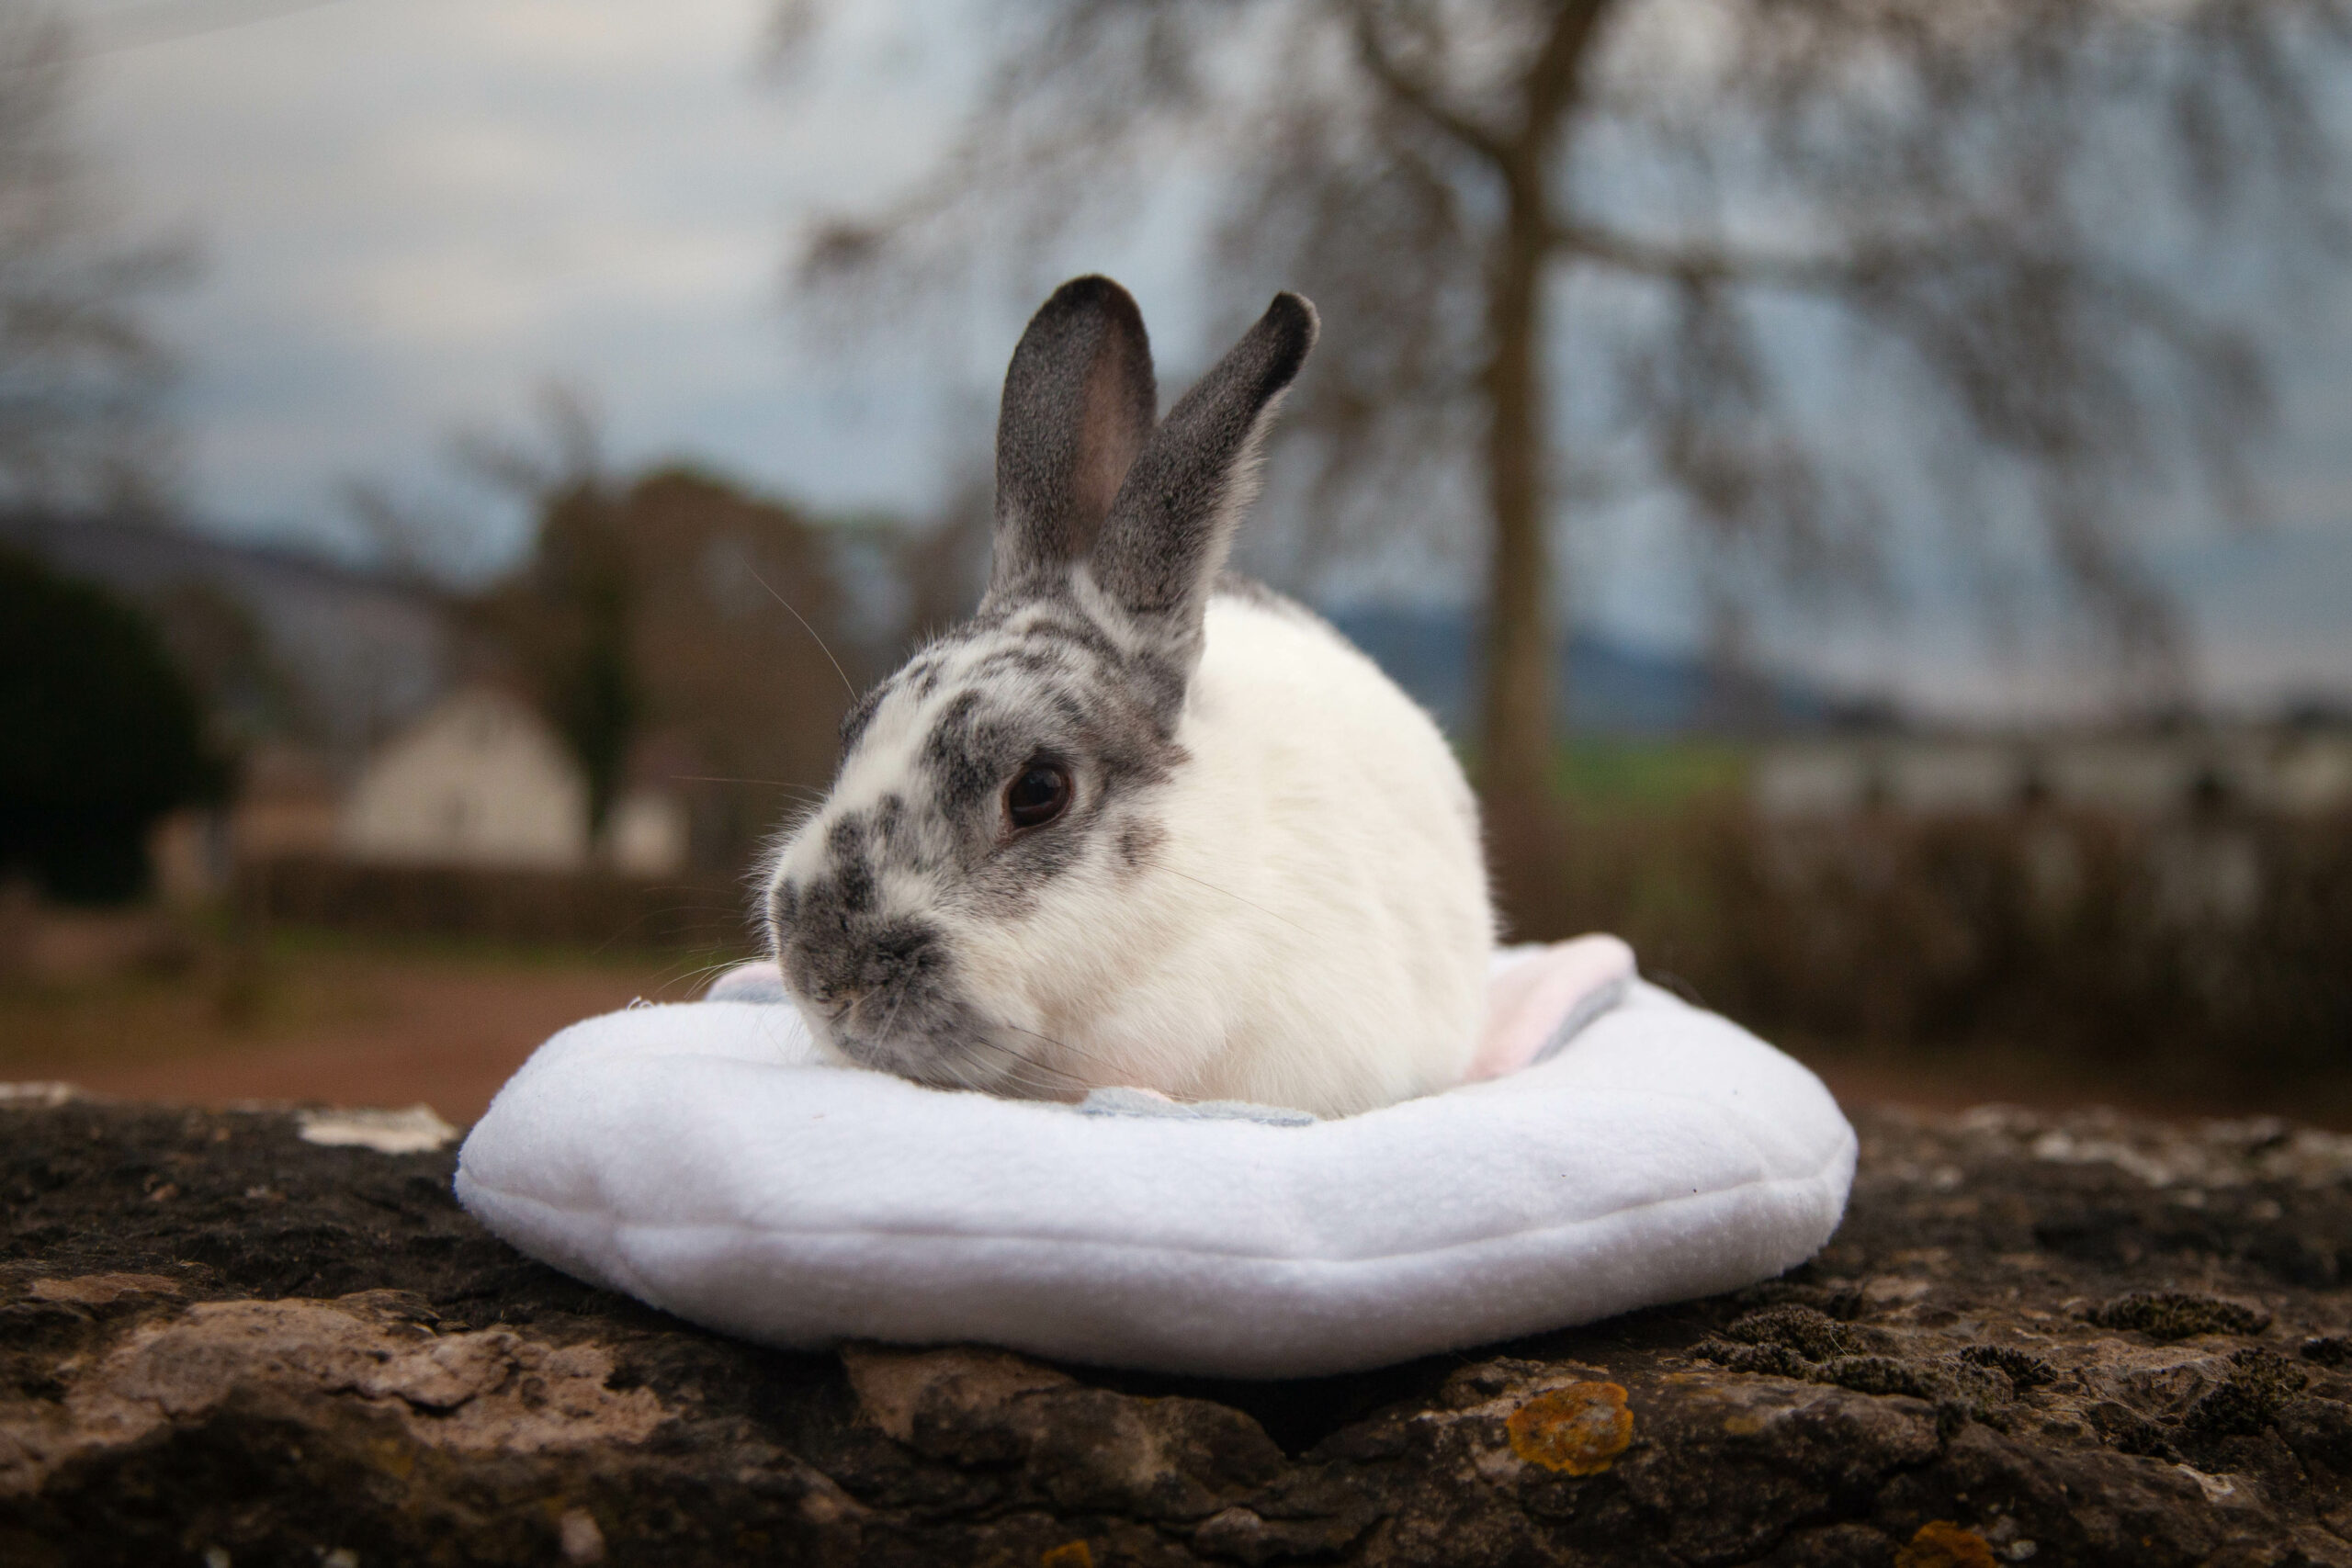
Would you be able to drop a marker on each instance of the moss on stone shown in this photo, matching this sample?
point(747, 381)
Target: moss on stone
point(2179, 1315)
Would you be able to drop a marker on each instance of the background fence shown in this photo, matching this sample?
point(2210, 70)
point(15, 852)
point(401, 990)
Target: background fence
point(505, 905)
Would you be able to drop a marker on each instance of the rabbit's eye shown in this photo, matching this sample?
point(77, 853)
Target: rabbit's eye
point(1041, 793)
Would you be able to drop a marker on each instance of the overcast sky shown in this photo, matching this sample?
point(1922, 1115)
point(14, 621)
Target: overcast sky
point(413, 214)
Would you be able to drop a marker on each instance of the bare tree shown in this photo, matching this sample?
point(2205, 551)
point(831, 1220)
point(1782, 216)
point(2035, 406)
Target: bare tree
point(2015, 205)
point(81, 372)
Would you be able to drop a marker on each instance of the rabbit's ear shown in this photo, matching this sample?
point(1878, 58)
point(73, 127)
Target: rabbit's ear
point(1169, 530)
point(1078, 401)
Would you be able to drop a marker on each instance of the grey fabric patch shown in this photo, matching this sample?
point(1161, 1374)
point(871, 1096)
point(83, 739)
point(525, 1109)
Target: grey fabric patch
point(758, 981)
point(1143, 1103)
point(1581, 1016)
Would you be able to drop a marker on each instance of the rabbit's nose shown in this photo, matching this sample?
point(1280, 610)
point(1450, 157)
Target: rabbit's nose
point(836, 963)
point(836, 991)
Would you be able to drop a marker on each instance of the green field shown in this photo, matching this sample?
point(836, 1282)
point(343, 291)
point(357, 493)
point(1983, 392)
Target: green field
point(1599, 773)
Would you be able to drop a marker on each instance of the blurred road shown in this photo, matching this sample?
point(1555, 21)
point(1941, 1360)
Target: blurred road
point(347, 1025)
point(449, 1044)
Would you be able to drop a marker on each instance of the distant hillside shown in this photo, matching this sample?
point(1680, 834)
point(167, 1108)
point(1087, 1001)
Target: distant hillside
point(1605, 688)
point(358, 654)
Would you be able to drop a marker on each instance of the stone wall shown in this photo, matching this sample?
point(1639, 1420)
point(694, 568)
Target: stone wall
point(2049, 1341)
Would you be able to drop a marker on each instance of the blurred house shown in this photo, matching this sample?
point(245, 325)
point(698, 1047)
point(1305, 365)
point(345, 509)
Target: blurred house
point(365, 734)
point(649, 834)
point(659, 826)
point(2293, 770)
point(289, 803)
point(482, 780)
point(479, 780)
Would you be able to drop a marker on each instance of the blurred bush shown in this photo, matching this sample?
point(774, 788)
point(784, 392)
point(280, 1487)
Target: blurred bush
point(99, 736)
point(2214, 950)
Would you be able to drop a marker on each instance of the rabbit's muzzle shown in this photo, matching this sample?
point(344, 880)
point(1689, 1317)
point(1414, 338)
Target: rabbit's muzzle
point(881, 989)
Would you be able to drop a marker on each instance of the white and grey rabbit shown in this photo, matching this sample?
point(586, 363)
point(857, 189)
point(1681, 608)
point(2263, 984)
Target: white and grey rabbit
point(1140, 822)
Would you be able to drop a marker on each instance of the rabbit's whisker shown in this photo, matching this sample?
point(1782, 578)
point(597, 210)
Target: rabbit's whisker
point(689, 976)
point(897, 1000)
point(1239, 900)
point(1051, 1079)
point(771, 784)
point(1063, 1046)
point(806, 628)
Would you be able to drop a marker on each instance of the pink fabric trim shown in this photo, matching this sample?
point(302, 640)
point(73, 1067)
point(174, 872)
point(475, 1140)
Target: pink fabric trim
point(1527, 1003)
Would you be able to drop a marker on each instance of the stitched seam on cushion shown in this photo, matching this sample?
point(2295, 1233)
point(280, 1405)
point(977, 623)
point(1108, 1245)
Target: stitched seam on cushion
point(1565, 1052)
point(1819, 1179)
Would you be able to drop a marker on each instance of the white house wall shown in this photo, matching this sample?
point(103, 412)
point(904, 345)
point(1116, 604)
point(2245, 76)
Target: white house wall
point(481, 780)
point(647, 835)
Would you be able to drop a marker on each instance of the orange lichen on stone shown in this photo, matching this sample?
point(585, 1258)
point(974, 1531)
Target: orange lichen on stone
point(1578, 1430)
point(1069, 1555)
point(1943, 1544)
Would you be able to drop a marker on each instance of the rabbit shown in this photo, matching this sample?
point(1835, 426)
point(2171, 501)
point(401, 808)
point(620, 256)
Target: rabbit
point(1139, 822)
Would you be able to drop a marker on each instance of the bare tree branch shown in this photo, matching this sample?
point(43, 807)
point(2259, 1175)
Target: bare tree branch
point(1420, 96)
point(82, 374)
point(2011, 203)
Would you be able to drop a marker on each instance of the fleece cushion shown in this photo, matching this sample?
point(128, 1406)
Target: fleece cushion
point(706, 1158)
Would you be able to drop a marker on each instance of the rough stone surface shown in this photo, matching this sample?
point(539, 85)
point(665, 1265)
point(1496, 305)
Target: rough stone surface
point(2069, 1340)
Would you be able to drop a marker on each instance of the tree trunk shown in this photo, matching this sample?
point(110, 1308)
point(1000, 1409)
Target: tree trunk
point(1516, 726)
point(1515, 738)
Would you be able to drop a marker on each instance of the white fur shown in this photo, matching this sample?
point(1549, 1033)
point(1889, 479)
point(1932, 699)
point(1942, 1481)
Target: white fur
point(1312, 931)
point(1287, 906)
point(1323, 921)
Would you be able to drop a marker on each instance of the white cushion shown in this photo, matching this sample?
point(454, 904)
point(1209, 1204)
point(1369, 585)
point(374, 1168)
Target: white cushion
point(704, 1158)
